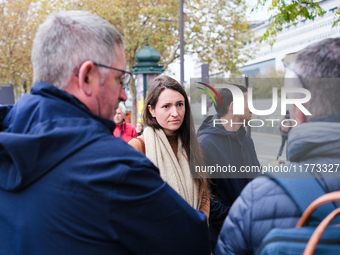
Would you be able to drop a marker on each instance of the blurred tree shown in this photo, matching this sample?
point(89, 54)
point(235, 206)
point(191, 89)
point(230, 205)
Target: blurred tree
point(288, 12)
point(263, 83)
point(19, 22)
point(214, 29)
point(136, 20)
point(217, 30)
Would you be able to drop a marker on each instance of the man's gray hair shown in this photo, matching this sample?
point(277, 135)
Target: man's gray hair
point(66, 40)
point(319, 66)
point(122, 107)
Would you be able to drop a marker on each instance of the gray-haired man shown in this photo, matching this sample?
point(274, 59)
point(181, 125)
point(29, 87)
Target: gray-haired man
point(263, 204)
point(66, 185)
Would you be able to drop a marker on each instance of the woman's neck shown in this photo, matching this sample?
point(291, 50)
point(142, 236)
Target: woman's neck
point(172, 138)
point(170, 132)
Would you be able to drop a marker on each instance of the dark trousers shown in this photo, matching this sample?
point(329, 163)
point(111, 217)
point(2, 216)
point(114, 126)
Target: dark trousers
point(284, 139)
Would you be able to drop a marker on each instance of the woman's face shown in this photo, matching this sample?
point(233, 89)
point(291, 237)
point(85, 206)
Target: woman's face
point(139, 127)
point(169, 110)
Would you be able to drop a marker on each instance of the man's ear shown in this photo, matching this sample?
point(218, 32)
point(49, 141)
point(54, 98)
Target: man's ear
point(231, 107)
point(86, 77)
point(152, 111)
point(301, 117)
point(297, 114)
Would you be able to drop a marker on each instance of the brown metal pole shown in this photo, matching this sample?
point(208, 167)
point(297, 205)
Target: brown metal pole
point(181, 39)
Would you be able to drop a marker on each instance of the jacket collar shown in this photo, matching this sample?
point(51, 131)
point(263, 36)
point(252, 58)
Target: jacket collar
point(331, 118)
point(317, 138)
point(47, 90)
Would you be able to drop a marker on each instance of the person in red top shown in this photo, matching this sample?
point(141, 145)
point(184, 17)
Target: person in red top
point(124, 130)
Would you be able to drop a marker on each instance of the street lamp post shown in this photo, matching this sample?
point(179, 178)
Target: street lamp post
point(146, 70)
point(181, 38)
point(246, 84)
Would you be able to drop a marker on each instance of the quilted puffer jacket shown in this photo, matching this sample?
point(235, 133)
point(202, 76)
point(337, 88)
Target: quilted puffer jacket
point(264, 205)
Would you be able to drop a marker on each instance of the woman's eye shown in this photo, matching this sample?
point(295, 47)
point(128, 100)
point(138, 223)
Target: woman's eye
point(180, 104)
point(165, 106)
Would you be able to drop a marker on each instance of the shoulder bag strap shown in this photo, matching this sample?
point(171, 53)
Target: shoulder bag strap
point(143, 143)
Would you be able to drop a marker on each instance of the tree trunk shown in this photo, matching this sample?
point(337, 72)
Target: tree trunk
point(133, 91)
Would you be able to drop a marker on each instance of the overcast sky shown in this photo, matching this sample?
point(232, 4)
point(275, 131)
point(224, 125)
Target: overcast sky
point(260, 14)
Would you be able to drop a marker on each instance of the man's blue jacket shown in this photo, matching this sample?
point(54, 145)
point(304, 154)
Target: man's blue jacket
point(68, 187)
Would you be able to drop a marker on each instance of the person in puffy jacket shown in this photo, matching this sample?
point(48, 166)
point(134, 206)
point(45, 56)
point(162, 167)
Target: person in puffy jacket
point(263, 204)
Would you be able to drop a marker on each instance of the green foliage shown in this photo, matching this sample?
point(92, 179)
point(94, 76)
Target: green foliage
point(289, 13)
point(337, 18)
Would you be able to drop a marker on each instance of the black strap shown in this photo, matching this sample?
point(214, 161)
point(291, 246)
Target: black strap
point(121, 132)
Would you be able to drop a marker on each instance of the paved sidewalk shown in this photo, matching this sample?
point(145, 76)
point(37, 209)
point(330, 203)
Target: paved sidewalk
point(267, 146)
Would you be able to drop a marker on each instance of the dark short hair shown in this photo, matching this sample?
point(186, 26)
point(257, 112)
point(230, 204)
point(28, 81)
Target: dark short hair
point(226, 98)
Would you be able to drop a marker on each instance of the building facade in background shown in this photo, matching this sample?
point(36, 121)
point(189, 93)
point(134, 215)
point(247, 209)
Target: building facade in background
point(290, 40)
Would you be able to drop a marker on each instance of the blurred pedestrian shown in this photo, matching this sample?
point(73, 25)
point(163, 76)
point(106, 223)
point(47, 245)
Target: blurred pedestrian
point(284, 130)
point(124, 130)
point(139, 128)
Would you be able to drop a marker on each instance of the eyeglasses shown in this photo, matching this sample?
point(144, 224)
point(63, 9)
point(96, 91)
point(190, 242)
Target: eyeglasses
point(286, 62)
point(125, 78)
